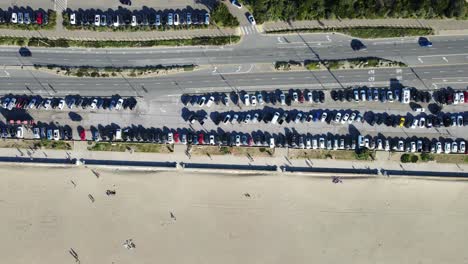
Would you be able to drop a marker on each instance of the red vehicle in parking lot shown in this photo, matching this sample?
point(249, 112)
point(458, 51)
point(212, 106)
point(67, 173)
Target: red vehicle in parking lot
point(82, 134)
point(39, 18)
point(201, 138)
point(301, 97)
point(176, 137)
point(465, 94)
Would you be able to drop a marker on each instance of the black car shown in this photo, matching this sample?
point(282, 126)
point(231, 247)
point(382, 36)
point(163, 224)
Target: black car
point(334, 95)
point(379, 119)
point(24, 52)
point(356, 45)
point(321, 97)
point(315, 95)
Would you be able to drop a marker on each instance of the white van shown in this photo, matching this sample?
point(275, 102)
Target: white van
point(272, 142)
point(118, 134)
point(275, 118)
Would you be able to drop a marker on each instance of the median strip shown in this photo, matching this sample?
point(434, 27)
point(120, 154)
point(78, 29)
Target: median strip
point(109, 72)
point(342, 64)
point(363, 32)
point(65, 43)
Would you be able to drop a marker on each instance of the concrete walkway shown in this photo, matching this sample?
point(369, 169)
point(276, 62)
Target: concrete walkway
point(442, 27)
point(179, 155)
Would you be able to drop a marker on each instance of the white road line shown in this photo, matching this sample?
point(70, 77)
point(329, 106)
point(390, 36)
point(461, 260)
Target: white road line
point(445, 59)
point(420, 60)
point(441, 55)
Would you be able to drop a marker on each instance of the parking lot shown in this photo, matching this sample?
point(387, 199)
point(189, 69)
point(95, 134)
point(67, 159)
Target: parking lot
point(175, 112)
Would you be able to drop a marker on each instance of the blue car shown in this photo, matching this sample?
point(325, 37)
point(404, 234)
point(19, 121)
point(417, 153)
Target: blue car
point(424, 42)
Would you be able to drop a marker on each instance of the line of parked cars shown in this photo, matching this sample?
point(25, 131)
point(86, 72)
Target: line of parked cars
point(363, 94)
point(341, 117)
point(123, 18)
point(42, 131)
point(11, 102)
point(450, 96)
point(257, 98)
point(24, 16)
point(291, 140)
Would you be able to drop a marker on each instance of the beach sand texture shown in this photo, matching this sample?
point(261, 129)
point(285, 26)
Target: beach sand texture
point(286, 219)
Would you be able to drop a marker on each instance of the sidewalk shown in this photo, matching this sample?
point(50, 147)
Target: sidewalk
point(441, 27)
point(179, 156)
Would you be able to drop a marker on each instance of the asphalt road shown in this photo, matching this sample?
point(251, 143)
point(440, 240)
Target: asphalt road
point(254, 49)
point(34, 82)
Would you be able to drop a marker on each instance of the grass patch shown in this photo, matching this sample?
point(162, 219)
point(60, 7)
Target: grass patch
point(89, 71)
point(364, 32)
point(136, 147)
point(53, 144)
point(451, 158)
point(65, 43)
point(327, 154)
point(352, 63)
point(222, 17)
point(237, 151)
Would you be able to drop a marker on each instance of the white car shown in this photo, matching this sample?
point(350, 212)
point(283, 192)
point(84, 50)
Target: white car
point(456, 98)
point(422, 122)
point(401, 145)
point(14, 18)
point(314, 143)
point(36, 133)
point(176, 19)
point(454, 147)
point(73, 19)
point(447, 147)
point(238, 140)
point(61, 104)
point(321, 143)
point(56, 134)
point(134, 21)
point(308, 143)
point(406, 96)
point(413, 146)
point(337, 117)
point(272, 142)
point(352, 118)
point(324, 117)
point(212, 140)
point(253, 100)
point(252, 20)
point(283, 99)
point(309, 97)
point(247, 119)
point(20, 132)
point(119, 104)
point(462, 97)
point(97, 20)
point(462, 147)
point(345, 118)
point(116, 21)
point(295, 97)
point(6, 102)
point(415, 123)
point(170, 138)
point(210, 101)
point(439, 147)
point(94, 104)
point(246, 100)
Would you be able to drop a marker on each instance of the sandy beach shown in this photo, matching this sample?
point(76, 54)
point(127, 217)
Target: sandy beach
point(46, 212)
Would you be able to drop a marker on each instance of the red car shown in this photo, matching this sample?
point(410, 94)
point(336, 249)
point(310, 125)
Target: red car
point(176, 137)
point(39, 18)
point(19, 101)
point(465, 94)
point(251, 142)
point(450, 98)
point(201, 138)
point(301, 97)
point(83, 134)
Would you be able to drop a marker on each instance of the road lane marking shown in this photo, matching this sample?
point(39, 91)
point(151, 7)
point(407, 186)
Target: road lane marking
point(445, 59)
point(420, 60)
point(443, 55)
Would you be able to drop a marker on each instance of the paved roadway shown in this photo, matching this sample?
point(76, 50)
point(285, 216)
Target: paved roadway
point(254, 49)
point(34, 82)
